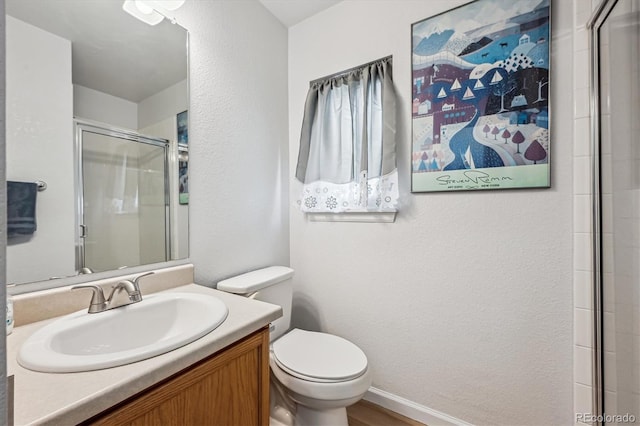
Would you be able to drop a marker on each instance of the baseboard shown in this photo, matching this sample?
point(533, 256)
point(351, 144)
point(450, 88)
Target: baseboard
point(410, 409)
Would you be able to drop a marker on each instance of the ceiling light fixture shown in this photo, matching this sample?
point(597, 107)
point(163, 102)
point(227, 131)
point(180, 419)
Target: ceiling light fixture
point(150, 11)
point(165, 4)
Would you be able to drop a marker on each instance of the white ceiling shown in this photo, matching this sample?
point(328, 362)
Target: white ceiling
point(116, 54)
point(290, 12)
point(112, 51)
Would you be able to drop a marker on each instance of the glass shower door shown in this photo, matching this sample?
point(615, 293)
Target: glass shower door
point(124, 200)
point(618, 49)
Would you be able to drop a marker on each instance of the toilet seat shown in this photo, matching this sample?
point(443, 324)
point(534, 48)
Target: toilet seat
point(318, 357)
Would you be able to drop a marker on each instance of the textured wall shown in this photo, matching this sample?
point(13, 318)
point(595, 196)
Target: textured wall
point(238, 215)
point(464, 305)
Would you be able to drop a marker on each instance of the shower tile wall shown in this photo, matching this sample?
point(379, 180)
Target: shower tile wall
point(582, 295)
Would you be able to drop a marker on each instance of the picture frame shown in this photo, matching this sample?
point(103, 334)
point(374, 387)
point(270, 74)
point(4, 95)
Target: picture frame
point(480, 97)
point(182, 121)
point(183, 177)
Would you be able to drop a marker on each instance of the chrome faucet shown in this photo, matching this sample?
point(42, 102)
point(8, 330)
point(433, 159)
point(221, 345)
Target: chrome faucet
point(124, 293)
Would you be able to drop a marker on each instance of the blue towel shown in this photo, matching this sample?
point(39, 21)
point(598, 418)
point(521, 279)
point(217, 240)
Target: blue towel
point(21, 208)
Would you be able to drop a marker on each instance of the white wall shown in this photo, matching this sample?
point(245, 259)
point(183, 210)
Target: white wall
point(238, 138)
point(167, 103)
point(464, 305)
point(94, 105)
point(98, 106)
point(39, 135)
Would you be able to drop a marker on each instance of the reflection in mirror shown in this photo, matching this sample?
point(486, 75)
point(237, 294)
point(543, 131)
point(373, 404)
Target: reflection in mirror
point(113, 175)
point(124, 198)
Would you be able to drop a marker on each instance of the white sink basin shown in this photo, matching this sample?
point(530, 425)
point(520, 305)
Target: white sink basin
point(159, 323)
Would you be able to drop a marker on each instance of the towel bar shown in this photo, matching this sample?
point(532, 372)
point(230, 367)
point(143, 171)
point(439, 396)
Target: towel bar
point(42, 185)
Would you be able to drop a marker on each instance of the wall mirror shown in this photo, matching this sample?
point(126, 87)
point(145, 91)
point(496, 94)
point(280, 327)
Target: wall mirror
point(97, 107)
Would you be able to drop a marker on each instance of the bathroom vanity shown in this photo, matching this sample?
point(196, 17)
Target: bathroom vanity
point(221, 378)
point(228, 388)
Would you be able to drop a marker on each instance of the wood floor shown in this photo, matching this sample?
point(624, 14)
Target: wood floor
point(365, 413)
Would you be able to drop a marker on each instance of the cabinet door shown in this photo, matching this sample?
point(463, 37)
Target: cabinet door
point(229, 388)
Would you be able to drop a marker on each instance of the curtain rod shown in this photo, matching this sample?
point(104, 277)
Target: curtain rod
point(340, 73)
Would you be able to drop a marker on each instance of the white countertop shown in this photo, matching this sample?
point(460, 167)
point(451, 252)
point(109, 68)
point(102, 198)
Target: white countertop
point(69, 398)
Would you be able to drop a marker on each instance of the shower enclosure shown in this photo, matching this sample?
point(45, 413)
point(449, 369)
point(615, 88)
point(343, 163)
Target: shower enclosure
point(122, 198)
point(615, 38)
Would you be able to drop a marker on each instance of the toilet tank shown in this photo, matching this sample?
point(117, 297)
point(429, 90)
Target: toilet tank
point(271, 285)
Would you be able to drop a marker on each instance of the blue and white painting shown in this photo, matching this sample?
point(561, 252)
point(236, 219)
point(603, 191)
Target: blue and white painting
point(183, 127)
point(480, 108)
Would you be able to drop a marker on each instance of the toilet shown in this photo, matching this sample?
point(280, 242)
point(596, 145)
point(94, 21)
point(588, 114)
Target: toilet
point(315, 376)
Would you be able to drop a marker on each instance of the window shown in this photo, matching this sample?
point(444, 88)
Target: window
point(347, 157)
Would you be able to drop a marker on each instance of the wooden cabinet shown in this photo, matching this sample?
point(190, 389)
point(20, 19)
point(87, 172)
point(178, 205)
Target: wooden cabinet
point(229, 388)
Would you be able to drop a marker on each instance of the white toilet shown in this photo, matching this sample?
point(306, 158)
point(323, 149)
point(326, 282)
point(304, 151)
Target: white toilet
point(322, 373)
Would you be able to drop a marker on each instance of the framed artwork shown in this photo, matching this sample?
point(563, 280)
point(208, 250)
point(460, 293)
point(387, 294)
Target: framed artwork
point(480, 107)
point(183, 178)
point(183, 128)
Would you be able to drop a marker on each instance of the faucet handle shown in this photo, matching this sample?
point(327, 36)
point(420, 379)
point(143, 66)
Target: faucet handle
point(98, 303)
point(136, 279)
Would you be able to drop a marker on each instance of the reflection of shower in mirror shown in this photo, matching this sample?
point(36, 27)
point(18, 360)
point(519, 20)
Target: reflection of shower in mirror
point(123, 198)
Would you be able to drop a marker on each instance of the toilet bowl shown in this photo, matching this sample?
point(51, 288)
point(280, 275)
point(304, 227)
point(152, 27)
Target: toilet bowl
point(320, 373)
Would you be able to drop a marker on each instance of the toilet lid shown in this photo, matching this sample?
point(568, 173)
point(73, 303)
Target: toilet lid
point(319, 356)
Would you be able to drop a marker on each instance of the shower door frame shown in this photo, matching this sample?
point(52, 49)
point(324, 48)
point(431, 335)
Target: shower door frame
point(596, 21)
point(83, 125)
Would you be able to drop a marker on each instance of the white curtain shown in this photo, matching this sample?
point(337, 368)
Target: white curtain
point(347, 158)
